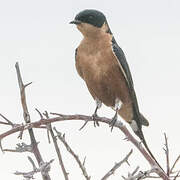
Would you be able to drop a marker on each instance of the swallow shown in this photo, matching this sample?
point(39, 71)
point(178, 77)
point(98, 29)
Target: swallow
point(102, 64)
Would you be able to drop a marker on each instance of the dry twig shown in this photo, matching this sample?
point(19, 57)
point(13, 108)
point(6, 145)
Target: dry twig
point(166, 149)
point(44, 169)
point(69, 149)
point(65, 173)
point(173, 166)
point(21, 147)
point(117, 165)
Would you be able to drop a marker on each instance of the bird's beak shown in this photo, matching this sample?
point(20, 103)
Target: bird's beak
point(75, 22)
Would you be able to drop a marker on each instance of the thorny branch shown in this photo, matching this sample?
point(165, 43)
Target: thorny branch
point(28, 120)
point(117, 165)
point(173, 166)
point(21, 147)
point(140, 175)
point(69, 149)
point(49, 127)
point(44, 168)
point(166, 149)
point(118, 124)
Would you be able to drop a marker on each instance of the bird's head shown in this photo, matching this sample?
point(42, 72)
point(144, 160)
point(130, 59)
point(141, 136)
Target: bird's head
point(91, 22)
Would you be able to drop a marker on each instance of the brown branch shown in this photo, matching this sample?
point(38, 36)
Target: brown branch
point(69, 149)
point(27, 119)
point(89, 118)
point(65, 173)
point(116, 166)
point(8, 122)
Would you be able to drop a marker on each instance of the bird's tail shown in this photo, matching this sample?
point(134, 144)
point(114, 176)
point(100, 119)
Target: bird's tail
point(140, 134)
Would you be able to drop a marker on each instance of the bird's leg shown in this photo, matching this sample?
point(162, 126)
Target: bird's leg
point(117, 106)
point(94, 116)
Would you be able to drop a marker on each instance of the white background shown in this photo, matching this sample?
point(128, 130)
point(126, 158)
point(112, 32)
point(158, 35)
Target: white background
point(36, 33)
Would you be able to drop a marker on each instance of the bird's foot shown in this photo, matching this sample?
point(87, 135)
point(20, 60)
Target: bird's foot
point(94, 117)
point(113, 121)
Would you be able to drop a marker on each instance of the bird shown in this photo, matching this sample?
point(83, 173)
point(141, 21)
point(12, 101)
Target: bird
point(102, 64)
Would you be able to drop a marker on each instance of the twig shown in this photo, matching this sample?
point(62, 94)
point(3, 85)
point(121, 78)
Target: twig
point(69, 149)
point(65, 173)
point(140, 175)
point(21, 147)
point(40, 114)
point(28, 120)
point(116, 166)
point(48, 126)
point(8, 121)
point(135, 171)
point(44, 168)
point(173, 166)
point(177, 175)
point(166, 149)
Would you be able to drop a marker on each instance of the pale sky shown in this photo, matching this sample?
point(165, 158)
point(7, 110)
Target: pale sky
point(37, 34)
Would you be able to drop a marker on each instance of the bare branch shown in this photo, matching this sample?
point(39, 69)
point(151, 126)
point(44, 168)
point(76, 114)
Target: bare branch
point(33, 164)
point(140, 175)
point(44, 169)
point(118, 124)
point(173, 166)
point(116, 166)
point(28, 120)
point(166, 149)
point(49, 127)
point(177, 175)
point(40, 114)
point(21, 147)
point(8, 121)
point(69, 149)
point(135, 171)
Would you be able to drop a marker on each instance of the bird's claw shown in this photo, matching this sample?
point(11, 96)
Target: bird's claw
point(113, 122)
point(94, 117)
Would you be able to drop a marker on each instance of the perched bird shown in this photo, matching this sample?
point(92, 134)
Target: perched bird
point(101, 63)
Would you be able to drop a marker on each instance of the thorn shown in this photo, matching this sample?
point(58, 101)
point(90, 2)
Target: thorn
point(83, 126)
point(84, 160)
point(40, 114)
point(1, 146)
point(61, 115)
point(20, 134)
point(123, 177)
point(27, 84)
point(126, 139)
point(46, 114)
point(128, 163)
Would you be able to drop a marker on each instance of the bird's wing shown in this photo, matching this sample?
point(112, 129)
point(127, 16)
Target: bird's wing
point(127, 74)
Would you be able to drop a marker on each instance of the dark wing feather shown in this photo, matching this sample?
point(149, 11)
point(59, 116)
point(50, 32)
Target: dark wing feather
point(125, 68)
point(76, 52)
